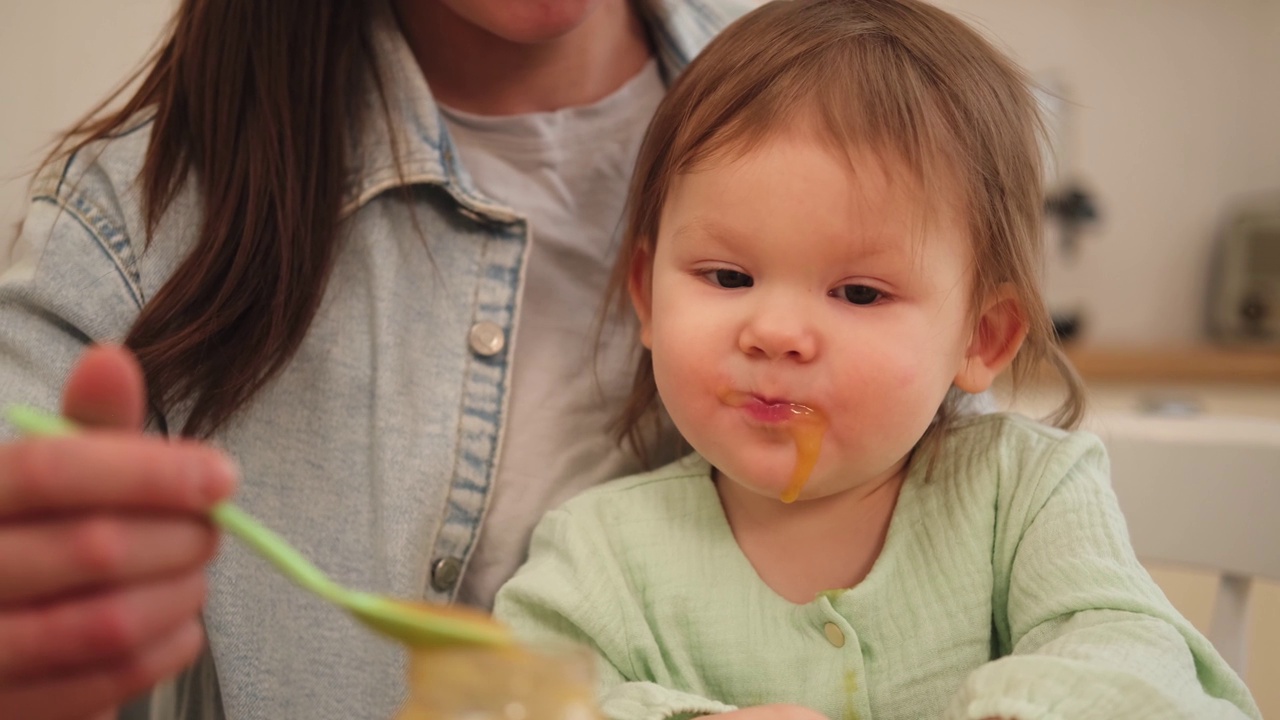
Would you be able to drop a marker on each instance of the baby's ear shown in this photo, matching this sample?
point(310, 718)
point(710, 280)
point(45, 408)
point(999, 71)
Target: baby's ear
point(997, 337)
point(640, 286)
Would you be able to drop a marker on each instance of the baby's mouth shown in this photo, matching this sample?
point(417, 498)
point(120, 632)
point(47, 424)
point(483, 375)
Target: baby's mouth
point(766, 410)
point(776, 411)
point(805, 426)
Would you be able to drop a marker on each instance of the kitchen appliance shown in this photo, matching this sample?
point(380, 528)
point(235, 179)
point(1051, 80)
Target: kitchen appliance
point(1244, 284)
point(1071, 210)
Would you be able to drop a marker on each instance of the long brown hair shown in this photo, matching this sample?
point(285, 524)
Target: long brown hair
point(256, 103)
point(895, 75)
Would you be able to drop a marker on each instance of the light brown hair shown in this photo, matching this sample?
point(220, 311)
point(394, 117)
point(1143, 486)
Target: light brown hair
point(895, 76)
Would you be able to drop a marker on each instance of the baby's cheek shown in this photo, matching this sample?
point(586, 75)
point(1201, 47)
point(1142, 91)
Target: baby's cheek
point(903, 375)
point(893, 375)
point(920, 371)
point(902, 389)
point(681, 378)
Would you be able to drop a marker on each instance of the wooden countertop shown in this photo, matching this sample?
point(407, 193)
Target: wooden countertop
point(1188, 364)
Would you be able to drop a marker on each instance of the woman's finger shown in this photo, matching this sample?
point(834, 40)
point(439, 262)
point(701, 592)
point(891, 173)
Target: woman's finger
point(106, 390)
point(92, 692)
point(108, 470)
point(77, 635)
point(46, 558)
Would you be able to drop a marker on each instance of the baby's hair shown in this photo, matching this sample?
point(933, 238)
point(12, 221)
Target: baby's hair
point(900, 78)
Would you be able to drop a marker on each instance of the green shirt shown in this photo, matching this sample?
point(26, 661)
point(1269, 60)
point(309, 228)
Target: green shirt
point(1006, 587)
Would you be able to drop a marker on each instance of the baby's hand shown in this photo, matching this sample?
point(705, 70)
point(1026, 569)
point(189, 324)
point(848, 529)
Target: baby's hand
point(773, 712)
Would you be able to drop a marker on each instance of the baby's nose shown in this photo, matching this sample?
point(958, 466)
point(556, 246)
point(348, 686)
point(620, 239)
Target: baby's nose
point(778, 334)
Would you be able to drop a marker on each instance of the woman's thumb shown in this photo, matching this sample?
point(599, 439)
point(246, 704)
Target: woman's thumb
point(106, 389)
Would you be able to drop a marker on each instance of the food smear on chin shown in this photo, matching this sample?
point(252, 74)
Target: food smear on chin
point(806, 429)
point(803, 424)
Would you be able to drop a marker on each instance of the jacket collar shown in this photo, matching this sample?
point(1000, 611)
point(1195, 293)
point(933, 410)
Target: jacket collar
point(416, 132)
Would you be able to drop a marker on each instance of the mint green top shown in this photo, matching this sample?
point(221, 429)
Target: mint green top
point(1007, 587)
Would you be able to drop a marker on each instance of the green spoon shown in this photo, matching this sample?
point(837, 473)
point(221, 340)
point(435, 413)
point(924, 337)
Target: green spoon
point(415, 624)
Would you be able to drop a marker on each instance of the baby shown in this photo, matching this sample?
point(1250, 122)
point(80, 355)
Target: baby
point(833, 239)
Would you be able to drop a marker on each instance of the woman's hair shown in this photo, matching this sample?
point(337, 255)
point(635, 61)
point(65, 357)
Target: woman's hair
point(256, 103)
point(898, 77)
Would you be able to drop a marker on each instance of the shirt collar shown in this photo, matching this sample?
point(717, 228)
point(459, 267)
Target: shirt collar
point(679, 28)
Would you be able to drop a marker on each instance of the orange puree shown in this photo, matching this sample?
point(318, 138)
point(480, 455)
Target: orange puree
point(470, 682)
point(806, 428)
point(458, 612)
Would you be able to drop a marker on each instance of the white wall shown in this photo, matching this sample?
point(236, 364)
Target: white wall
point(58, 58)
point(1176, 117)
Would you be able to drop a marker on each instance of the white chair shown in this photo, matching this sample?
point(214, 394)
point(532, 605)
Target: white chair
point(1204, 491)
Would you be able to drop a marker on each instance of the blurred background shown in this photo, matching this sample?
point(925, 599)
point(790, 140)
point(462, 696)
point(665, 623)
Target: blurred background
point(1163, 257)
point(1163, 274)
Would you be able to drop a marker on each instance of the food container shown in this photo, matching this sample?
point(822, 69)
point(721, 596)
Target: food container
point(501, 683)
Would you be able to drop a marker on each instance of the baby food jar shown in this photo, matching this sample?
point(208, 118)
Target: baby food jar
point(502, 683)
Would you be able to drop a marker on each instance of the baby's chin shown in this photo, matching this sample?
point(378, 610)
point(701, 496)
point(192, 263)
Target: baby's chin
point(765, 482)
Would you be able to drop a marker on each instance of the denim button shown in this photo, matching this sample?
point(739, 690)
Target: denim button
point(486, 339)
point(833, 633)
point(445, 573)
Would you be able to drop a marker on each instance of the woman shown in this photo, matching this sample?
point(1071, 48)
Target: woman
point(320, 229)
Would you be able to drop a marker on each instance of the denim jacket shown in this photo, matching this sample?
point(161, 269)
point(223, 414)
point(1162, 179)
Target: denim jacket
point(374, 449)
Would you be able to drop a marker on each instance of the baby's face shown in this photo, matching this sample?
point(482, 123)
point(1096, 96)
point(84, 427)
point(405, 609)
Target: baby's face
point(791, 276)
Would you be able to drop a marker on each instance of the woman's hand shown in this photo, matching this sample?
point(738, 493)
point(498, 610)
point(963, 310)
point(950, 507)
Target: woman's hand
point(773, 712)
point(103, 542)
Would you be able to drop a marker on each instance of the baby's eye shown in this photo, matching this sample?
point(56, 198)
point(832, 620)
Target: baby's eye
point(729, 278)
point(858, 294)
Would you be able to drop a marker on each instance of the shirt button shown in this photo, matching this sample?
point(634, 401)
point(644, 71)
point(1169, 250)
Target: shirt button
point(445, 573)
point(834, 634)
point(486, 339)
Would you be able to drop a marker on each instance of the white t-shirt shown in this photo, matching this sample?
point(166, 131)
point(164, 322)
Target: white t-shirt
point(567, 171)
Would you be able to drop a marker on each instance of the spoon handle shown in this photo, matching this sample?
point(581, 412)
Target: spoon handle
point(38, 423)
point(276, 550)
